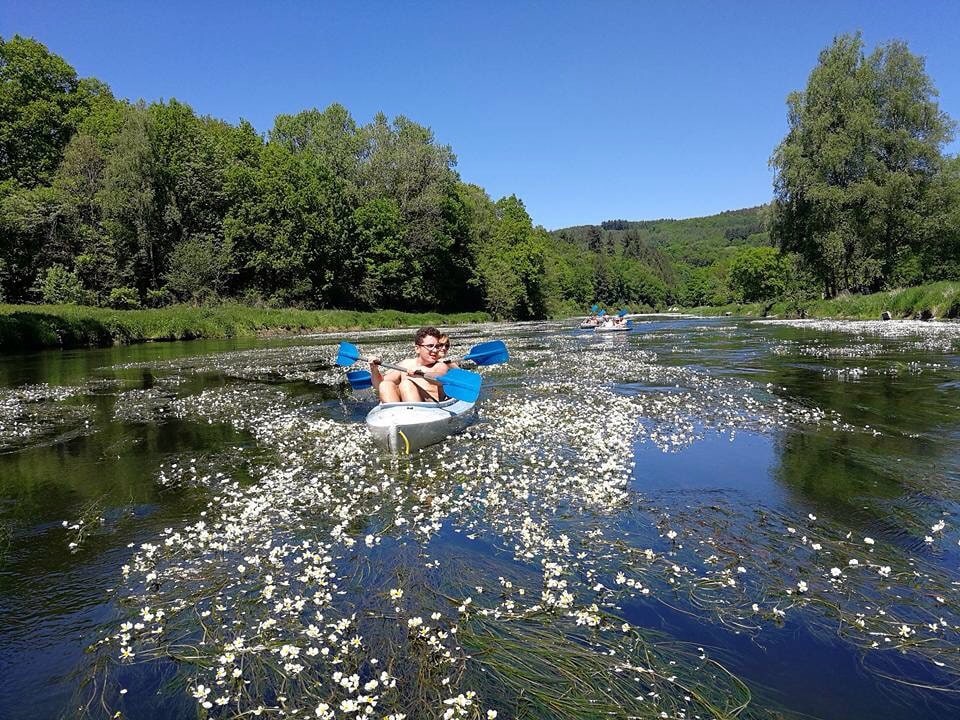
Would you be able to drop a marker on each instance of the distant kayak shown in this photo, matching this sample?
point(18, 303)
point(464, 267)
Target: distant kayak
point(612, 328)
point(403, 427)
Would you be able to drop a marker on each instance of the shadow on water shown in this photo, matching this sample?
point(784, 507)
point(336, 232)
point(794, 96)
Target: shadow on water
point(96, 489)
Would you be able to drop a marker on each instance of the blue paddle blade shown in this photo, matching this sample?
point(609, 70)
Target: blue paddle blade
point(622, 313)
point(359, 379)
point(488, 353)
point(461, 384)
point(594, 308)
point(601, 313)
point(347, 354)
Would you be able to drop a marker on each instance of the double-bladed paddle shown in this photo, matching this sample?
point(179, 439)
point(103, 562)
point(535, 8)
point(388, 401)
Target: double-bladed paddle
point(492, 352)
point(460, 384)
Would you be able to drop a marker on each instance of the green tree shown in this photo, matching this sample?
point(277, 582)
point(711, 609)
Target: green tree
point(393, 275)
point(42, 101)
point(855, 171)
point(28, 223)
point(200, 268)
point(757, 273)
point(940, 259)
point(292, 231)
point(59, 286)
point(512, 264)
point(330, 135)
point(404, 163)
point(130, 205)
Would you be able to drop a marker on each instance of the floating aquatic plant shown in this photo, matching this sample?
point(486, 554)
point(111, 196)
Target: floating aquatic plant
point(495, 573)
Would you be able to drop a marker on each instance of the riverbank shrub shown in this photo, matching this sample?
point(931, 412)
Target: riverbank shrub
point(937, 300)
point(34, 327)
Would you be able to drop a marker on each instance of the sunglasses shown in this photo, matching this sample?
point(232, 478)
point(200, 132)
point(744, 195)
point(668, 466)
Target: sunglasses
point(433, 348)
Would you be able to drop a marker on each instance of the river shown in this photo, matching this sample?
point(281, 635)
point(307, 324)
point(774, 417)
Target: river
point(700, 517)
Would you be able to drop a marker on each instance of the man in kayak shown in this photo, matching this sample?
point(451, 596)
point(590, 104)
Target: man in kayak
point(429, 347)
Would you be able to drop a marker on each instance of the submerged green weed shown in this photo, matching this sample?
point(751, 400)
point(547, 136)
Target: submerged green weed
point(496, 574)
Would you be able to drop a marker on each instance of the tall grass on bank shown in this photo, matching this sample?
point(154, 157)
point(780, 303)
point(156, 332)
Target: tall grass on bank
point(936, 300)
point(34, 327)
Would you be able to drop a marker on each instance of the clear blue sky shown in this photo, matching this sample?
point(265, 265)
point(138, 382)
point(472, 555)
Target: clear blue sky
point(587, 111)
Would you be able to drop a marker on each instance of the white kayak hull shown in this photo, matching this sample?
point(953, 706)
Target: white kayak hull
point(403, 428)
point(615, 328)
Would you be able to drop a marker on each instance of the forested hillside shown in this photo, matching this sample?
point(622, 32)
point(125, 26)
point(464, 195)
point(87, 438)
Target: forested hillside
point(124, 204)
point(692, 258)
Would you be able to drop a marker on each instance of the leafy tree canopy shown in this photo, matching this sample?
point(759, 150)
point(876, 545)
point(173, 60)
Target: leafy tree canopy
point(855, 173)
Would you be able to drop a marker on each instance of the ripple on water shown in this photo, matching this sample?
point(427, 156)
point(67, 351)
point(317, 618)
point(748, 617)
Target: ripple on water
point(604, 490)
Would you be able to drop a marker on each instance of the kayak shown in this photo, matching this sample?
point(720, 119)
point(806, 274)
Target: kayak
point(612, 328)
point(403, 427)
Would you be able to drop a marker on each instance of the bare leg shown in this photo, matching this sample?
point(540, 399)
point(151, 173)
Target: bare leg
point(410, 391)
point(388, 391)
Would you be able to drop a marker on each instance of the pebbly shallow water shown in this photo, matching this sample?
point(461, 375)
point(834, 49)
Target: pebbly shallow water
point(701, 517)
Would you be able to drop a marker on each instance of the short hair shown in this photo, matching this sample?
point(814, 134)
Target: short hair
point(425, 332)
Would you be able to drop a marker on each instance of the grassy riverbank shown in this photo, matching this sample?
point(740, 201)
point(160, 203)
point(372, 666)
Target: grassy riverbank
point(33, 327)
point(937, 300)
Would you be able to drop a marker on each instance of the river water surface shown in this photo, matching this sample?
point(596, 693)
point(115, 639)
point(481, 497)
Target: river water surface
point(698, 518)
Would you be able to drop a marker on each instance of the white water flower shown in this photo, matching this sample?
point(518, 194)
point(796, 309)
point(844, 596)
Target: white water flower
point(349, 706)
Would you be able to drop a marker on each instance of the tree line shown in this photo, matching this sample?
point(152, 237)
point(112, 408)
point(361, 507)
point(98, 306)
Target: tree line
point(129, 204)
point(865, 198)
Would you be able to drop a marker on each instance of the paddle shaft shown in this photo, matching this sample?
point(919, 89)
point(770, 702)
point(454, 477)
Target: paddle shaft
point(460, 384)
point(400, 368)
